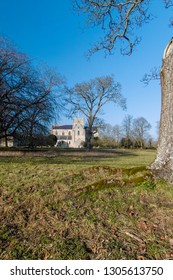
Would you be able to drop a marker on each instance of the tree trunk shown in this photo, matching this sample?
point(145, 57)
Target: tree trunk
point(88, 144)
point(89, 139)
point(6, 142)
point(162, 167)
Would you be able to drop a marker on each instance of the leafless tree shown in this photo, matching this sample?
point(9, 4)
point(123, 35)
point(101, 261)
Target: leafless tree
point(110, 133)
point(127, 126)
point(117, 132)
point(90, 97)
point(141, 128)
point(27, 97)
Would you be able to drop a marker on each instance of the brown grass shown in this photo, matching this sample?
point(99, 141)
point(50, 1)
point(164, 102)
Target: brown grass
point(77, 205)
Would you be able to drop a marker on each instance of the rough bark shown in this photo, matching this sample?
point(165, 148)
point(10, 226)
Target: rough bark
point(162, 167)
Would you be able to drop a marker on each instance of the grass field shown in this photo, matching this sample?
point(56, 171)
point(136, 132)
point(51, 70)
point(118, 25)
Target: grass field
point(72, 204)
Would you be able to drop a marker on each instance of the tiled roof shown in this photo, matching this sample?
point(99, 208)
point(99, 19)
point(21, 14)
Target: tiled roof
point(61, 126)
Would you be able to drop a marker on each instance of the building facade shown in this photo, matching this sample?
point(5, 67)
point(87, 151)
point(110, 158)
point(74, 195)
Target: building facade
point(70, 135)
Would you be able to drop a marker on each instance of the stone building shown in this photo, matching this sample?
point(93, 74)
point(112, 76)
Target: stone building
point(70, 135)
point(73, 135)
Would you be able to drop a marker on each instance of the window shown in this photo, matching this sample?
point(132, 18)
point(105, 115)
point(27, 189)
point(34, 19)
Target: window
point(78, 133)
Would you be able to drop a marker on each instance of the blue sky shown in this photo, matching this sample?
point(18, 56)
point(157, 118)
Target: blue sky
point(50, 32)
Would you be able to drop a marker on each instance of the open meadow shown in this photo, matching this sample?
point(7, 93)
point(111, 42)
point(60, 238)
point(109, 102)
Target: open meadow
point(71, 204)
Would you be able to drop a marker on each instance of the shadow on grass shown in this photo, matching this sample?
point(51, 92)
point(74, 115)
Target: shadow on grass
point(63, 156)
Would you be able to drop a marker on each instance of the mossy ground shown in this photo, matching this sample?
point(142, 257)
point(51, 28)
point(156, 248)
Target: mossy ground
point(78, 205)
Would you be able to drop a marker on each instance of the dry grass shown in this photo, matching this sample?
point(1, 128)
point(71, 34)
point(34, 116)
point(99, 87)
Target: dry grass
point(78, 205)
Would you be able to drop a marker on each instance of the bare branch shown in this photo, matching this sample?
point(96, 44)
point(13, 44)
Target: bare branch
point(152, 76)
point(168, 3)
point(117, 19)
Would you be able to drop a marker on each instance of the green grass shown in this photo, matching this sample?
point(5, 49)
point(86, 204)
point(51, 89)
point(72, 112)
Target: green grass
point(71, 204)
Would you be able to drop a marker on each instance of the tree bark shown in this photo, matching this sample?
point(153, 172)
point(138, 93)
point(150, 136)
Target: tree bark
point(162, 167)
point(89, 139)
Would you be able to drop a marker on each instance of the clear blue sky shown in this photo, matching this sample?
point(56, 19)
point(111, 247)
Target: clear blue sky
point(50, 32)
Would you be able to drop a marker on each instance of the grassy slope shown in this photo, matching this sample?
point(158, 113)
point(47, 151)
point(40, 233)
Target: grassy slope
point(74, 205)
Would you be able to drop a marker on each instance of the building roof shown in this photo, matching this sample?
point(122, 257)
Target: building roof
point(70, 127)
point(61, 126)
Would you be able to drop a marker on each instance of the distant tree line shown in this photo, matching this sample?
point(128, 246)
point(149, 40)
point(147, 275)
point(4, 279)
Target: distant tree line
point(132, 133)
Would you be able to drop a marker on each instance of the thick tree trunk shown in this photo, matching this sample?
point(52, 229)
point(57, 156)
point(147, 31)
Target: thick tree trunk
point(162, 167)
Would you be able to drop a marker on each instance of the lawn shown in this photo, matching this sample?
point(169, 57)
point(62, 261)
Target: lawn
point(70, 204)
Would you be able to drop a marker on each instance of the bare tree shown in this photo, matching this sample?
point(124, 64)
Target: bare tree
point(106, 130)
point(117, 133)
point(127, 126)
point(141, 128)
point(27, 97)
point(127, 134)
point(90, 97)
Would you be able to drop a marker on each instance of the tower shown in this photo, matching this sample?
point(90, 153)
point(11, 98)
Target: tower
point(78, 132)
